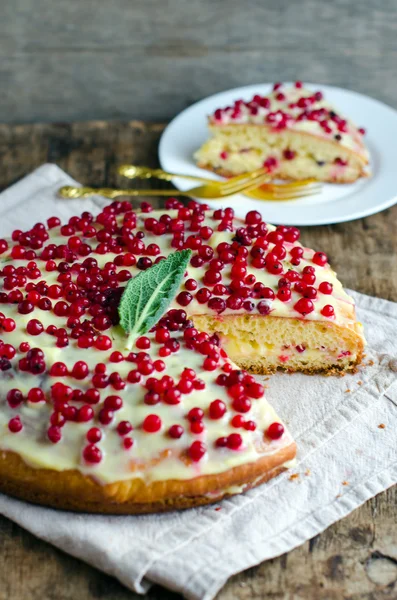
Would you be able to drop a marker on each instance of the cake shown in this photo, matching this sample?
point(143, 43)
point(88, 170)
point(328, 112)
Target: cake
point(292, 132)
point(92, 419)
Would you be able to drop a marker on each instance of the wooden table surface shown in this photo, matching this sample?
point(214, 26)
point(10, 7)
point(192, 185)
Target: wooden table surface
point(150, 59)
point(354, 559)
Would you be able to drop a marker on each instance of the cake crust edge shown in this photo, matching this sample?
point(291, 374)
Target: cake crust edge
point(73, 491)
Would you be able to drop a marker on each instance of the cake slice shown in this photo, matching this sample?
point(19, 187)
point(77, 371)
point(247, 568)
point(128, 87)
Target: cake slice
point(293, 132)
point(150, 431)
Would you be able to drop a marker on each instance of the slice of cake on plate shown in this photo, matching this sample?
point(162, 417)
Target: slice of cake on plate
point(293, 132)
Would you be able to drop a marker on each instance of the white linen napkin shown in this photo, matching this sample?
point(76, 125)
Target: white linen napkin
point(345, 429)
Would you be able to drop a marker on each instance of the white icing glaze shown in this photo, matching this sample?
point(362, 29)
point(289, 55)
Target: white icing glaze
point(343, 304)
point(148, 448)
point(153, 456)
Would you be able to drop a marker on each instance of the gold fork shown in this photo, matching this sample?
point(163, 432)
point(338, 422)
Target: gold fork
point(267, 191)
point(212, 190)
point(71, 193)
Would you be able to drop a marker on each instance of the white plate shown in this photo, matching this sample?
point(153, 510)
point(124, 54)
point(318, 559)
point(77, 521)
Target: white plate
point(337, 202)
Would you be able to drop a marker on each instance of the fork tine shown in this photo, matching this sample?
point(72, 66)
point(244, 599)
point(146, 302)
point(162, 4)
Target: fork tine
point(239, 187)
point(291, 185)
point(281, 192)
point(256, 183)
point(240, 180)
point(258, 195)
point(295, 195)
point(237, 184)
point(303, 191)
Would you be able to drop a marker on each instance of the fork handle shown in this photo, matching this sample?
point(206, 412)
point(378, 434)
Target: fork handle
point(133, 172)
point(73, 193)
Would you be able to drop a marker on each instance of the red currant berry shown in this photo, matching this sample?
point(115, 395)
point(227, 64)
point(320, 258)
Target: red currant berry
point(175, 431)
point(151, 424)
point(328, 311)
point(234, 441)
point(197, 450)
point(325, 287)
point(15, 425)
point(92, 454)
point(304, 306)
point(217, 409)
point(275, 431)
point(320, 259)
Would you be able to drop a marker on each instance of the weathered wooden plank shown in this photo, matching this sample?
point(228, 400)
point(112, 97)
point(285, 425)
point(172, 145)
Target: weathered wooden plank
point(356, 559)
point(150, 59)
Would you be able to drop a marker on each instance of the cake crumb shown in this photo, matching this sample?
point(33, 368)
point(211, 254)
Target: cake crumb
point(347, 391)
point(294, 476)
point(308, 472)
point(359, 382)
point(218, 508)
point(345, 483)
point(338, 496)
point(381, 426)
point(370, 363)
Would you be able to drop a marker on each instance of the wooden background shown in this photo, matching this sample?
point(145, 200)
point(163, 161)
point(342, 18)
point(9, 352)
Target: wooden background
point(76, 60)
point(355, 559)
point(148, 59)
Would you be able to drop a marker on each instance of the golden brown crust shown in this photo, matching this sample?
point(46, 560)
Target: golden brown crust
point(71, 490)
point(335, 370)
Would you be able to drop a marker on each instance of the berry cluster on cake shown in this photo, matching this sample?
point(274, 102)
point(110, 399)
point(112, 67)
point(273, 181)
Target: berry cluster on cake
point(94, 422)
point(293, 132)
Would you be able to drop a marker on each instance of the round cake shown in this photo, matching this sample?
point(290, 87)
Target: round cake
point(96, 418)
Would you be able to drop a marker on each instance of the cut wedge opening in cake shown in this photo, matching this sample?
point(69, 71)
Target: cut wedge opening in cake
point(293, 132)
point(264, 346)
